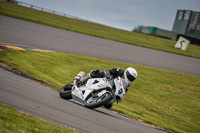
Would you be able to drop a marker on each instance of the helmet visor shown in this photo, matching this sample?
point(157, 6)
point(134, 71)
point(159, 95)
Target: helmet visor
point(130, 77)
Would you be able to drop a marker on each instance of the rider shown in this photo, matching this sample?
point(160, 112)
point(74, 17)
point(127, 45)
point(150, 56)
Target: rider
point(129, 75)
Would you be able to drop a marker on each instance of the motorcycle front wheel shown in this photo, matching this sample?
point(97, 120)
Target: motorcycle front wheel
point(94, 102)
point(65, 91)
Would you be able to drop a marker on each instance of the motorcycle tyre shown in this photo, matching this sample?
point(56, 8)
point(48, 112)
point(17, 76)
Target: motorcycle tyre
point(100, 103)
point(65, 91)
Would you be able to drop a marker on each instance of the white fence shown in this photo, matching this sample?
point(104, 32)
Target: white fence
point(42, 9)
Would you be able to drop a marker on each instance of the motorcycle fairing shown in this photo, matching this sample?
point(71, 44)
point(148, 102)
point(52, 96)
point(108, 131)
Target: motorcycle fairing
point(80, 94)
point(120, 91)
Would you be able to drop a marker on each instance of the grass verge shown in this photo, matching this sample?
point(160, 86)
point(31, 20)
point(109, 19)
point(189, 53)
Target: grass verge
point(13, 121)
point(164, 98)
point(94, 29)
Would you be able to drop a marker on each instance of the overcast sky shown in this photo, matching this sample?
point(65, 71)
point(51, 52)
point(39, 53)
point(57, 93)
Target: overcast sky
point(122, 14)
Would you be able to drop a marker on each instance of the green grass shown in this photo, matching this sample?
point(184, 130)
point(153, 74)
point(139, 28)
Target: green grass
point(94, 29)
point(164, 98)
point(13, 121)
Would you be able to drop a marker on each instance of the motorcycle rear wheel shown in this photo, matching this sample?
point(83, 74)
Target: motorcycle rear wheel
point(100, 101)
point(65, 91)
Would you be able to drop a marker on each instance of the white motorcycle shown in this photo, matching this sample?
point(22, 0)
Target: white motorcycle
point(96, 92)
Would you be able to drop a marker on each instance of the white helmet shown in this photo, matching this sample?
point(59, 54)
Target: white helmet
point(130, 74)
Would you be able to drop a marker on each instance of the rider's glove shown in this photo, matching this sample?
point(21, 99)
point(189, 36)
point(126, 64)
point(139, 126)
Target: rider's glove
point(127, 88)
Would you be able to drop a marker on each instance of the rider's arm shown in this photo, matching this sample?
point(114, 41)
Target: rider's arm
point(127, 88)
point(116, 72)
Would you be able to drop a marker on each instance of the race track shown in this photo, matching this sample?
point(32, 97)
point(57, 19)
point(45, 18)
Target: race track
point(15, 31)
point(43, 102)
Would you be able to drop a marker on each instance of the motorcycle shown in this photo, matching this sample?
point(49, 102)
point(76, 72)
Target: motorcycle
point(96, 92)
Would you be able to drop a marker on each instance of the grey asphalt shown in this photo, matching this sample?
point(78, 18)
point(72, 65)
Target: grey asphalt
point(43, 102)
point(34, 35)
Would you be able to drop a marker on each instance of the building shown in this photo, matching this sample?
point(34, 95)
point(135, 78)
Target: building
point(157, 31)
point(187, 24)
